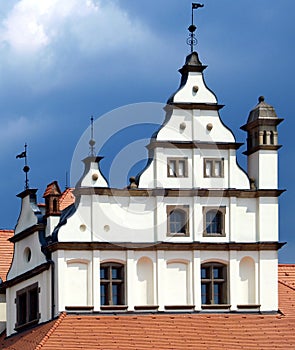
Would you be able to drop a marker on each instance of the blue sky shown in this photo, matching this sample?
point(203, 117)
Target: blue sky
point(61, 62)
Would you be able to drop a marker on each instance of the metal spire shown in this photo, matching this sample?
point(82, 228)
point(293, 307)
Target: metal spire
point(26, 168)
point(92, 141)
point(191, 40)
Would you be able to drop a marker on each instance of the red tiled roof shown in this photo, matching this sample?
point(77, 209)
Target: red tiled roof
point(287, 274)
point(67, 198)
point(178, 331)
point(52, 188)
point(166, 331)
point(6, 252)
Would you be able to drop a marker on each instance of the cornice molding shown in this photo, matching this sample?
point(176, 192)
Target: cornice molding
point(27, 275)
point(168, 246)
point(194, 144)
point(168, 192)
point(27, 232)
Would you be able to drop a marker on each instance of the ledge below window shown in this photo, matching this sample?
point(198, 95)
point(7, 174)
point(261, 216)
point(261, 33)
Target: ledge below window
point(216, 306)
point(114, 307)
point(146, 307)
point(79, 308)
point(248, 306)
point(25, 325)
point(179, 307)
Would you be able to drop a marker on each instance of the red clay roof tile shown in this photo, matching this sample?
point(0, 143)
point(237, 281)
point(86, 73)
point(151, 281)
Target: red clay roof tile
point(66, 199)
point(6, 252)
point(52, 188)
point(166, 331)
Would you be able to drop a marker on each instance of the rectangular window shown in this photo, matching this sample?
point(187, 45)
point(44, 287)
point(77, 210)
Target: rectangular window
point(27, 306)
point(111, 284)
point(177, 167)
point(213, 167)
point(213, 284)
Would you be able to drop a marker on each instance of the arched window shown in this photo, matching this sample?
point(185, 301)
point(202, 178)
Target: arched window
point(213, 283)
point(177, 220)
point(272, 139)
point(264, 137)
point(112, 284)
point(54, 205)
point(214, 221)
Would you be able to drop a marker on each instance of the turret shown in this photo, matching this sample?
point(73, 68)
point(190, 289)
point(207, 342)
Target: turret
point(52, 195)
point(262, 145)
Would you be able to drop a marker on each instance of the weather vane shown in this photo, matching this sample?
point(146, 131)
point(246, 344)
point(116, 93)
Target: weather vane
point(191, 40)
point(92, 141)
point(26, 168)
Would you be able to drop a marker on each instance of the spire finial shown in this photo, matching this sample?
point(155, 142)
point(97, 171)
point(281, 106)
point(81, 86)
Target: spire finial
point(92, 141)
point(26, 168)
point(191, 40)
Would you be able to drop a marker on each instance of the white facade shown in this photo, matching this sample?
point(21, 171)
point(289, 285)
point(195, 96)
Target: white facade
point(195, 233)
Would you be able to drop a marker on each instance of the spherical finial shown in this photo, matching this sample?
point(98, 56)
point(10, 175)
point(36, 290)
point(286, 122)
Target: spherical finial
point(26, 169)
point(91, 142)
point(261, 99)
point(192, 28)
point(132, 181)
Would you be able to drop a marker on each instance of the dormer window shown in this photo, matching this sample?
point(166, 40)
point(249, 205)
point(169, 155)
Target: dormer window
point(177, 220)
point(177, 167)
point(213, 167)
point(27, 306)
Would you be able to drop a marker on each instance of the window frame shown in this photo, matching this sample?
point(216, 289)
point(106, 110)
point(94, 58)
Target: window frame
point(29, 316)
point(210, 282)
point(213, 161)
point(184, 209)
point(110, 281)
point(222, 211)
point(177, 160)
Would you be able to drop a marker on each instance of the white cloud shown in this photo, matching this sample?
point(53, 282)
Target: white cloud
point(48, 43)
point(33, 25)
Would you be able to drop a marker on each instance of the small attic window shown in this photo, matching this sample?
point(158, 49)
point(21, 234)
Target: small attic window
point(264, 137)
point(27, 254)
point(27, 306)
point(54, 205)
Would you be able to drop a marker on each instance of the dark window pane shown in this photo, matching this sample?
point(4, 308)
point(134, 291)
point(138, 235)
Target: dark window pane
point(22, 308)
point(204, 273)
point(116, 273)
point(115, 291)
point(33, 305)
point(213, 222)
point(217, 293)
point(104, 273)
point(217, 272)
point(103, 294)
point(205, 293)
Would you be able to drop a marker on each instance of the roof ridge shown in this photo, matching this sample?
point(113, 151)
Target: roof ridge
point(286, 284)
point(61, 317)
point(287, 264)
